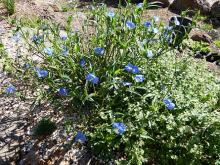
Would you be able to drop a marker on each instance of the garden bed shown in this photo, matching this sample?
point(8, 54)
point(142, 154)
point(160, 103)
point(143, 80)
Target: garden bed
point(131, 98)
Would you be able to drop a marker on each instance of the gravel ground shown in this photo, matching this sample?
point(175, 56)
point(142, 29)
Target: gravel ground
point(18, 117)
point(17, 143)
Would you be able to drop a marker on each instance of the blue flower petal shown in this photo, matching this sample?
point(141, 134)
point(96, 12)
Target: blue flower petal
point(150, 54)
point(156, 18)
point(167, 101)
point(176, 21)
point(36, 39)
point(80, 137)
point(16, 37)
point(169, 104)
point(48, 51)
point(63, 38)
point(140, 5)
point(10, 89)
point(125, 83)
point(82, 62)
point(132, 68)
point(92, 78)
point(130, 25)
point(65, 50)
point(167, 27)
point(99, 50)
point(63, 35)
point(139, 78)
point(120, 127)
point(155, 30)
point(147, 24)
point(111, 14)
point(27, 66)
point(41, 73)
point(63, 91)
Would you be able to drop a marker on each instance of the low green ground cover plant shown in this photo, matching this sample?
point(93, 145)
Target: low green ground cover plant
point(217, 43)
point(137, 100)
point(44, 127)
point(199, 46)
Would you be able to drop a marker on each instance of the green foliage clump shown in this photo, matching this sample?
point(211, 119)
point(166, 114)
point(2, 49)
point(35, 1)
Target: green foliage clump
point(206, 26)
point(217, 43)
point(10, 6)
point(118, 73)
point(199, 46)
point(44, 127)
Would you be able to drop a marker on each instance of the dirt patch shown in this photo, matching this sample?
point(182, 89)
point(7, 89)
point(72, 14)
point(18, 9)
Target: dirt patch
point(163, 13)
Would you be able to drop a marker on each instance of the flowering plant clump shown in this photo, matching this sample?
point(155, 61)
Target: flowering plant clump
point(138, 101)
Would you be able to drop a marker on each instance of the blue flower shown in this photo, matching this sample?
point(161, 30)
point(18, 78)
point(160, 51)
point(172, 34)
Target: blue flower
point(63, 91)
point(140, 5)
point(27, 66)
point(41, 73)
point(156, 18)
point(92, 78)
point(111, 14)
point(132, 68)
point(63, 36)
point(168, 37)
point(130, 25)
point(82, 62)
point(99, 50)
point(10, 89)
point(65, 50)
point(36, 39)
point(120, 127)
point(48, 51)
point(139, 78)
point(125, 83)
point(170, 40)
point(147, 24)
point(16, 37)
point(176, 21)
point(150, 54)
point(168, 28)
point(169, 104)
point(167, 101)
point(155, 30)
point(80, 137)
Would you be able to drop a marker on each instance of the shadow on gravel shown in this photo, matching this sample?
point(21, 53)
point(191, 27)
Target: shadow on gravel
point(12, 130)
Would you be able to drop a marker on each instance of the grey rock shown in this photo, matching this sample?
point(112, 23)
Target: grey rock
point(215, 9)
point(215, 34)
point(211, 2)
point(201, 36)
point(181, 5)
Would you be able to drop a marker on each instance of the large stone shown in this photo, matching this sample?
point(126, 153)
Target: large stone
point(211, 2)
point(215, 9)
point(200, 36)
point(215, 34)
point(182, 5)
point(162, 3)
